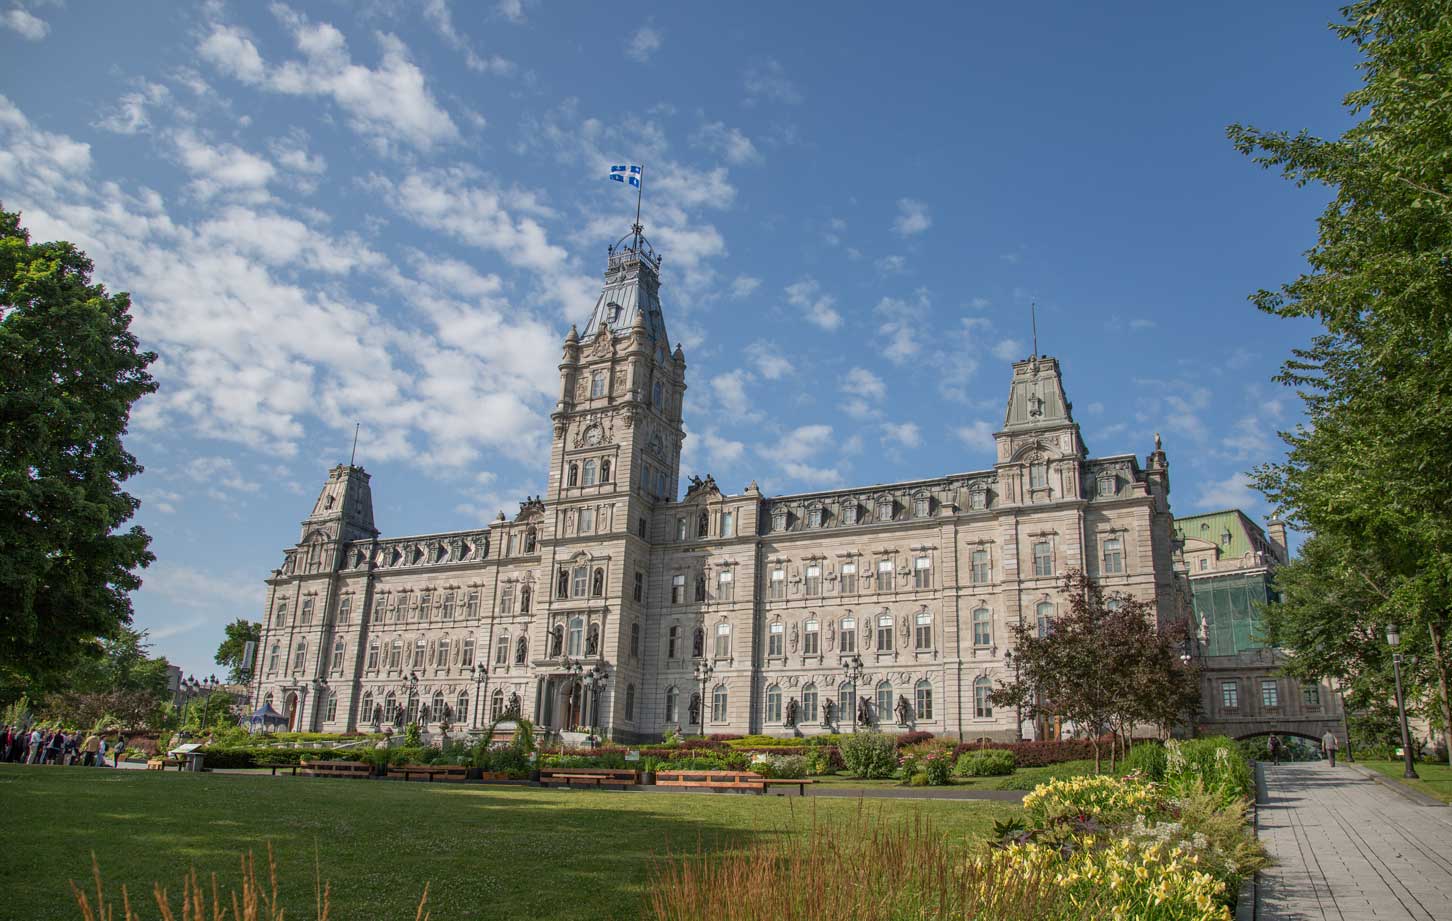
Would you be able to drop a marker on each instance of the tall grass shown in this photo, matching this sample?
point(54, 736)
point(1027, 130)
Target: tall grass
point(864, 868)
point(254, 900)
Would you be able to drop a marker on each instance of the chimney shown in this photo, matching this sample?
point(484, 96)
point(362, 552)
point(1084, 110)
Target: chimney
point(1276, 531)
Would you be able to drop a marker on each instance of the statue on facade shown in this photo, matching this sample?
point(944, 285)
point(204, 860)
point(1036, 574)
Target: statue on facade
point(592, 641)
point(903, 709)
point(557, 641)
point(514, 704)
point(695, 709)
point(864, 711)
point(791, 712)
point(829, 710)
point(795, 638)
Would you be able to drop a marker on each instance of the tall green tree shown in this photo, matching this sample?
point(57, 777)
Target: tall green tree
point(72, 372)
point(238, 633)
point(1370, 470)
point(124, 684)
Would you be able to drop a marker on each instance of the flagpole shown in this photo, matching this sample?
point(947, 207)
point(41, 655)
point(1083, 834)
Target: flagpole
point(639, 191)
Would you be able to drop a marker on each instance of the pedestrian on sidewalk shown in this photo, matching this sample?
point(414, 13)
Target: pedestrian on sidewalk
point(90, 749)
point(1329, 744)
point(1274, 744)
point(118, 751)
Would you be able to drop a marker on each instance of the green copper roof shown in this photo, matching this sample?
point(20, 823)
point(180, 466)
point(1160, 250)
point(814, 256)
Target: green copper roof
point(1245, 535)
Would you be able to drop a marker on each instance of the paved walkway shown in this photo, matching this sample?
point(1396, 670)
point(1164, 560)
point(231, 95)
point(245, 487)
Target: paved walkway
point(1347, 848)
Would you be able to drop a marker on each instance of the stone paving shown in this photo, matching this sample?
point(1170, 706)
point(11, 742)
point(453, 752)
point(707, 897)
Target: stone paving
point(1348, 848)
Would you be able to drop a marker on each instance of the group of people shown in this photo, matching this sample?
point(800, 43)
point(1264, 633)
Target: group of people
point(1329, 746)
point(55, 746)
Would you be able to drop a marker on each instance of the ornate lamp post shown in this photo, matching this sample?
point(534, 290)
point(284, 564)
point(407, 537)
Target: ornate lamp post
point(1394, 639)
point(593, 680)
point(481, 675)
point(703, 674)
point(852, 670)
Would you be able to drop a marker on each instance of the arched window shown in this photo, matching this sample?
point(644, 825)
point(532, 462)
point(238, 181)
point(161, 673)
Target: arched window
point(576, 640)
point(809, 703)
point(605, 471)
point(496, 704)
point(337, 656)
point(1044, 617)
point(597, 385)
point(703, 524)
point(531, 540)
point(589, 479)
point(501, 650)
point(597, 583)
point(410, 713)
point(773, 704)
point(982, 706)
point(390, 707)
point(273, 655)
point(672, 706)
point(574, 475)
point(630, 702)
point(300, 655)
point(698, 642)
point(330, 710)
point(982, 627)
point(923, 700)
point(525, 594)
point(723, 641)
point(884, 701)
point(461, 707)
point(718, 704)
point(365, 712)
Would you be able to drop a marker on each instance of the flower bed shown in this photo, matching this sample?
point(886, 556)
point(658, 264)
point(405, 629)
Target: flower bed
point(1038, 754)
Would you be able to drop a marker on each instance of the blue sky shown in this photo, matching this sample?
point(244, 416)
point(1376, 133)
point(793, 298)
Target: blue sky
point(391, 212)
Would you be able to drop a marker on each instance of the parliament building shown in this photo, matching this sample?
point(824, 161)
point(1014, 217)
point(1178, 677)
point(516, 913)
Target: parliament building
point(630, 600)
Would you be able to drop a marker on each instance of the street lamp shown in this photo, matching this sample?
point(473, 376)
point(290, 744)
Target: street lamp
point(703, 674)
point(852, 671)
point(594, 679)
point(481, 675)
point(1394, 639)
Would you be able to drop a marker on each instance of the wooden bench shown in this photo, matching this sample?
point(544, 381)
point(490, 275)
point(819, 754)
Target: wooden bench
point(283, 766)
point(161, 764)
point(333, 769)
point(448, 772)
point(588, 777)
point(727, 780)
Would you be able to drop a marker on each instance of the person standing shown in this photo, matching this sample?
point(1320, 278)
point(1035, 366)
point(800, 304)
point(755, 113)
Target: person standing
point(1329, 745)
point(118, 751)
point(1274, 744)
point(89, 749)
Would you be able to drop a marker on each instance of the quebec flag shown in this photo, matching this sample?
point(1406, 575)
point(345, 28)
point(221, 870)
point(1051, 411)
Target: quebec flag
point(630, 174)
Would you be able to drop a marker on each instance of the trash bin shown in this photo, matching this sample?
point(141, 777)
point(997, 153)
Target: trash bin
point(194, 761)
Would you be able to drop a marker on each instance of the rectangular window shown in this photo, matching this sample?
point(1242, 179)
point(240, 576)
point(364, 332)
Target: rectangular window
point(513, 546)
point(980, 567)
point(1043, 559)
point(425, 603)
point(1230, 695)
point(885, 510)
point(774, 640)
point(307, 612)
point(673, 638)
point(345, 609)
point(849, 513)
point(849, 636)
point(1270, 693)
point(1113, 556)
point(680, 528)
point(418, 654)
point(471, 610)
point(814, 518)
point(640, 527)
point(725, 585)
point(577, 585)
point(849, 578)
point(1038, 476)
point(373, 658)
point(506, 600)
point(1311, 695)
point(448, 611)
point(395, 656)
point(921, 504)
point(923, 572)
point(884, 575)
point(723, 641)
point(587, 520)
point(778, 584)
point(982, 627)
point(466, 653)
point(814, 580)
point(923, 698)
point(635, 640)
point(678, 589)
point(924, 634)
point(811, 639)
point(639, 592)
point(884, 633)
point(728, 524)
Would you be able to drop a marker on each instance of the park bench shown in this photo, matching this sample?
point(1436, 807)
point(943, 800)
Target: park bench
point(587, 777)
point(727, 780)
point(280, 766)
point(431, 772)
point(333, 769)
point(161, 764)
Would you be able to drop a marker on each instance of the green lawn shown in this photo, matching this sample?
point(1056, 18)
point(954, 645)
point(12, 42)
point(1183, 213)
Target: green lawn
point(1436, 778)
point(487, 852)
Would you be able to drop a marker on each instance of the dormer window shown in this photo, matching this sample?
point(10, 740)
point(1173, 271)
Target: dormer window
point(884, 509)
point(779, 520)
point(1108, 484)
point(613, 311)
point(978, 498)
point(814, 518)
point(921, 506)
point(849, 513)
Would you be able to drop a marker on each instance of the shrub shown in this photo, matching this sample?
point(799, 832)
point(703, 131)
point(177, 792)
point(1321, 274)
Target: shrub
point(1148, 759)
point(722, 737)
point(1215, 763)
point(911, 738)
point(824, 759)
point(1039, 754)
point(790, 767)
point(869, 755)
point(991, 762)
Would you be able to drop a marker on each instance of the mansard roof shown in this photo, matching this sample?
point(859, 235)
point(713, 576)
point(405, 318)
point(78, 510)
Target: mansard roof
point(631, 294)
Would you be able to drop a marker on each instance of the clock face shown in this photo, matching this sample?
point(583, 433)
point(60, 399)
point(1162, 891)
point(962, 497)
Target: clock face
point(593, 435)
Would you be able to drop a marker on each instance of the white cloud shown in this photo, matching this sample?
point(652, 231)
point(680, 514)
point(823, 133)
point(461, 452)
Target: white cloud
point(442, 19)
point(814, 306)
point(863, 383)
point(906, 434)
point(1096, 408)
point(721, 450)
point(977, 436)
point(29, 26)
point(912, 217)
point(728, 142)
point(222, 168)
point(795, 450)
point(130, 115)
point(512, 10)
point(979, 303)
point(1141, 324)
point(220, 475)
point(768, 80)
point(194, 588)
point(1232, 492)
point(744, 286)
point(1008, 350)
point(891, 265)
point(646, 41)
point(768, 360)
point(390, 104)
point(903, 321)
point(730, 392)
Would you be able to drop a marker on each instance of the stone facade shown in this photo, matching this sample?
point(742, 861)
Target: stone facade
point(610, 569)
point(1230, 560)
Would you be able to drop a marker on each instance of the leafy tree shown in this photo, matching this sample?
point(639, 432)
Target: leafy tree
point(124, 683)
point(1105, 664)
point(71, 374)
point(1371, 468)
point(238, 633)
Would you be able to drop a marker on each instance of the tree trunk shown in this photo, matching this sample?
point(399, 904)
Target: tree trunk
point(1439, 657)
point(1094, 741)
